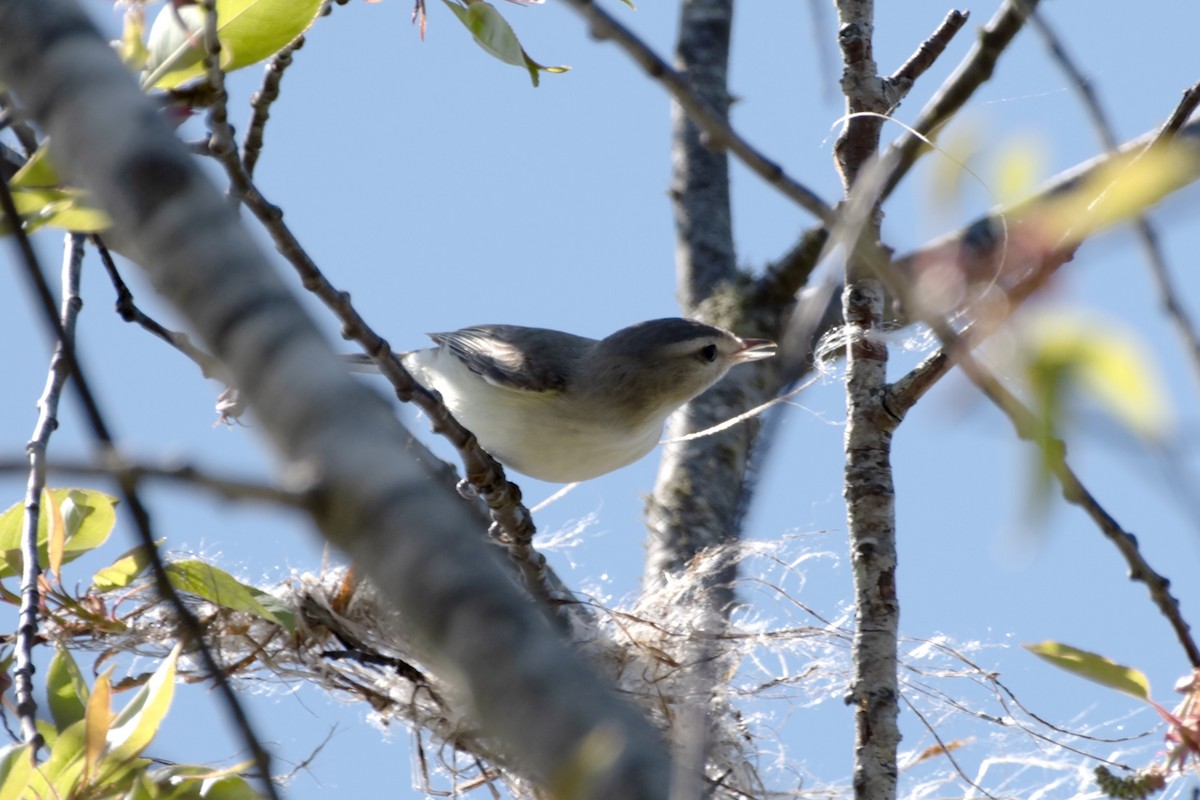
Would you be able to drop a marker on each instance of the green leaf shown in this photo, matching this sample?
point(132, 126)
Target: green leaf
point(97, 719)
point(250, 31)
point(218, 586)
point(1094, 667)
point(65, 209)
point(66, 690)
point(134, 726)
point(56, 534)
point(132, 50)
point(37, 172)
point(58, 776)
point(16, 768)
point(1069, 349)
point(123, 571)
point(1123, 188)
point(493, 33)
point(192, 782)
point(43, 200)
point(89, 517)
point(1019, 167)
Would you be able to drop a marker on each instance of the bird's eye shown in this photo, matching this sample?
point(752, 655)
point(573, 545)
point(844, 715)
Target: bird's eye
point(708, 353)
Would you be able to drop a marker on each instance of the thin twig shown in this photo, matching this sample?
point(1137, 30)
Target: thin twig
point(129, 311)
point(973, 72)
point(260, 104)
point(904, 393)
point(945, 750)
point(720, 134)
point(124, 471)
point(221, 140)
point(20, 128)
point(902, 80)
point(1182, 113)
point(27, 618)
point(36, 450)
point(1168, 293)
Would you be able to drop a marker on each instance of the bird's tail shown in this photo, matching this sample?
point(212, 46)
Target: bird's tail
point(361, 362)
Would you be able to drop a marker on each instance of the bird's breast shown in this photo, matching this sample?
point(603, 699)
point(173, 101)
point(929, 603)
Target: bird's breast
point(546, 435)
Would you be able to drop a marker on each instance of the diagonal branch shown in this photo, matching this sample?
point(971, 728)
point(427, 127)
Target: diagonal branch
point(1143, 228)
point(975, 70)
point(903, 79)
point(128, 310)
point(261, 102)
point(718, 133)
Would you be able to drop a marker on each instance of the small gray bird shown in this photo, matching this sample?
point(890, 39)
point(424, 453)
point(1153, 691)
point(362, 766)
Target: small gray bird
point(566, 408)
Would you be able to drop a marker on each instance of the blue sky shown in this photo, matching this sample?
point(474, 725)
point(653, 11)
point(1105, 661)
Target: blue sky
point(441, 190)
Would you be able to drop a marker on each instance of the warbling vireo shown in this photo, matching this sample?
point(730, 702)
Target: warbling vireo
point(566, 408)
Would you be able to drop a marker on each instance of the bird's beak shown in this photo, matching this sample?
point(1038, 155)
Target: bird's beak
point(753, 350)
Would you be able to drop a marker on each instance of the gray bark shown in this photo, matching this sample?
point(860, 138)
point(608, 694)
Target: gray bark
point(699, 497)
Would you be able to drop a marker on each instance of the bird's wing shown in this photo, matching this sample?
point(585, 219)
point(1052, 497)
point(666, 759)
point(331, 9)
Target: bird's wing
point(516, 357)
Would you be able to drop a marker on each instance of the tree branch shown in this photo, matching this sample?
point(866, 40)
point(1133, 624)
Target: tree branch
point(260, 103)
point(868, 486)
point(47, 423)
point(115, 467)
point(975, 70)
point(681, 522)
point(1143, 228)
point(128, 310)
point(707, 113)
point(903, 79)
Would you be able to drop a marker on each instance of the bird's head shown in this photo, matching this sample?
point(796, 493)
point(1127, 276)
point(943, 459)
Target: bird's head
point(659, 365)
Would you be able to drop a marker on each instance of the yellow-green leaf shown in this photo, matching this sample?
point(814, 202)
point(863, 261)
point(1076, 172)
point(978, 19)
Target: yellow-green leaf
point(250, 31)
point(43, 200)
point(134, 726)
point(88, 517)
point(1019, 167)
point(56, 534)
point(956, 148)
point(58, 776)
point(493, 33)
point(1094, 667)
point(66, 691)
point(37, 172)
point(96, 722)
point(206, 783)
point(1122, 189)
point(16, 768)
point(123, 571)
point(133, 51)
point(218, 586)
point(1107, 362)
point(66, 209)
